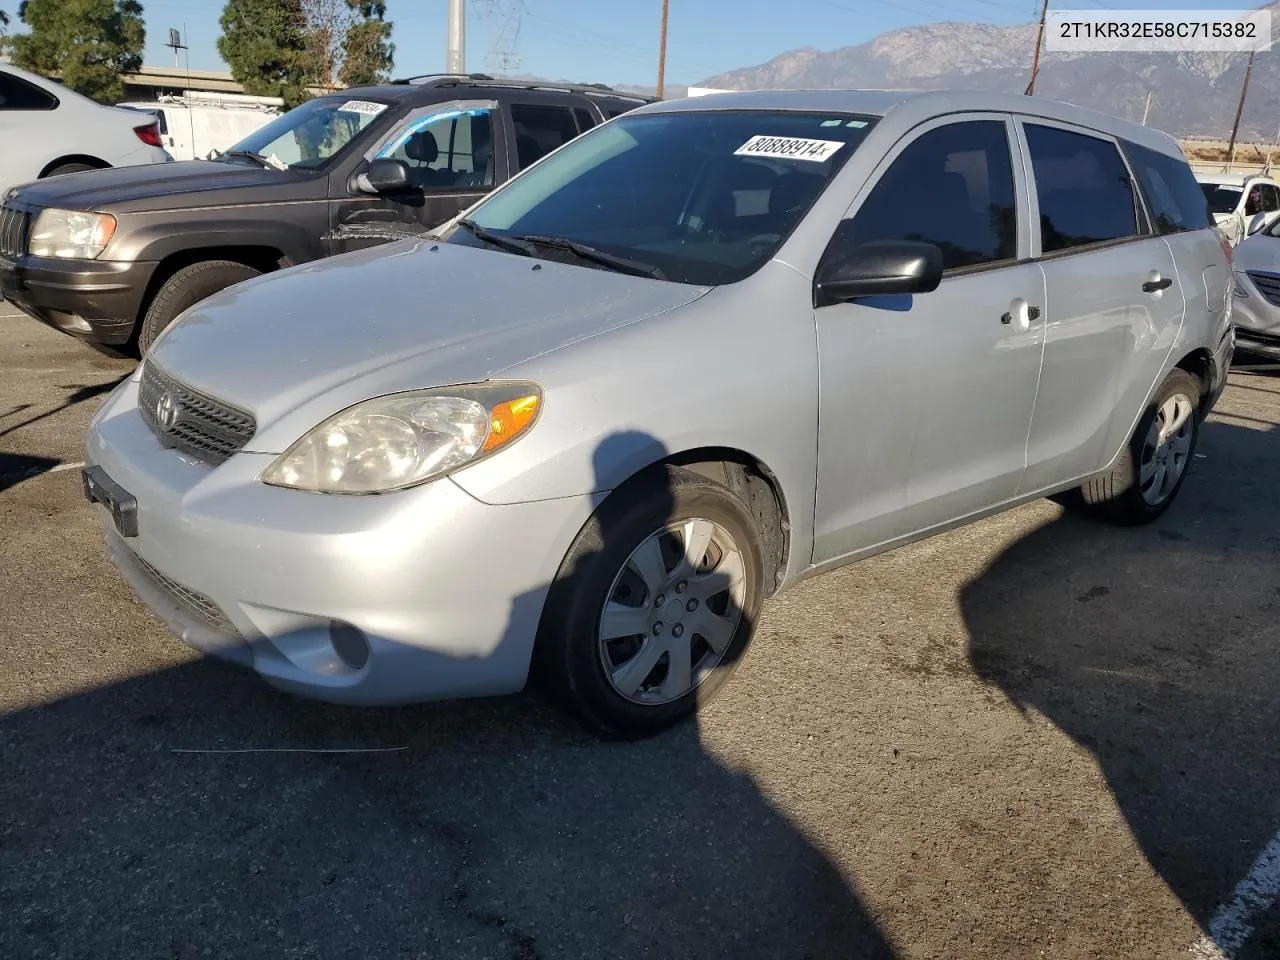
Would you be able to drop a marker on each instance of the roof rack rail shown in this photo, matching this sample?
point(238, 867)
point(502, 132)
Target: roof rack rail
point(424, 77)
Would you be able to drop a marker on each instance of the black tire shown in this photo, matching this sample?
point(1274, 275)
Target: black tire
point(1117, 495)
point(569, 661)
point(70, 168)
point(186, 288)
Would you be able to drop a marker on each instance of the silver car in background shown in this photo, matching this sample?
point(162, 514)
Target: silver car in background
point(1257, 292)
point(701, 353)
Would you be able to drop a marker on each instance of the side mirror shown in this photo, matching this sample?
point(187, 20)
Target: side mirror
point(1257, 223)
point(876, 269)
point(384, 176)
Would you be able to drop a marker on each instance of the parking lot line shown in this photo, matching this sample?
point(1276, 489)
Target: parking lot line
point(1233, 923)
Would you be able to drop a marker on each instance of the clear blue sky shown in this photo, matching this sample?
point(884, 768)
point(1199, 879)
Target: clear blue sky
point(616, 41)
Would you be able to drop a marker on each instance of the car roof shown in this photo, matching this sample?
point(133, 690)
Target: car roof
point(1232, 179)
point(907, 108)
point(435, 86)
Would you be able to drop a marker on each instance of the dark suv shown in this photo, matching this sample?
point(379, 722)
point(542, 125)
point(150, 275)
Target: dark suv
point(114, 256)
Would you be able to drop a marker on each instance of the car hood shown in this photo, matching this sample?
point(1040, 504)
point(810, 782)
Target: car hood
point(154, 185)
point(314, 339)
point(1258, 252)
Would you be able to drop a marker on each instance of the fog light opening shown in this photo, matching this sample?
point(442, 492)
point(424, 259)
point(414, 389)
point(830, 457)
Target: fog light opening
point(349, 644)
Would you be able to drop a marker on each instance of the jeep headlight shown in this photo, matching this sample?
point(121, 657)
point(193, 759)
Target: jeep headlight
point(71, 234)
point(404, 439)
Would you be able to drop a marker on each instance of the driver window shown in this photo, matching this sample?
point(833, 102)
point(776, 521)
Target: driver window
point(952, 187)
point(446, 151)
point(1254, 203)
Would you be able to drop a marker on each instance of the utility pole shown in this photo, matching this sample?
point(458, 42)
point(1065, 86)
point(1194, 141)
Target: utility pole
point(662, 51)
point(1035, 57)
point(455, 61)
point(1147, 109)
point(1235, 127)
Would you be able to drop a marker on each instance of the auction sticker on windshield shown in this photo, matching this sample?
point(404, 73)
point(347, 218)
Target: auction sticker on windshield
point(789, 148)
point(366, 107)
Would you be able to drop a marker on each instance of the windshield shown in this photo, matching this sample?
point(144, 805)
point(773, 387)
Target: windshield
point(1222, 197)
point(309, 136)
point(703, 197)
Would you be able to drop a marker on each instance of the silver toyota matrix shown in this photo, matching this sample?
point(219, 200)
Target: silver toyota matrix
point(704, 351)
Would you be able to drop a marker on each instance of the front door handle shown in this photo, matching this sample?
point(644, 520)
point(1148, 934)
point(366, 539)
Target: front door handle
point(1024, 313)
point(1157, 284)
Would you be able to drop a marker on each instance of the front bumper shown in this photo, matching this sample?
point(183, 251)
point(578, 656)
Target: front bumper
point(95, 300)
point(418, 595)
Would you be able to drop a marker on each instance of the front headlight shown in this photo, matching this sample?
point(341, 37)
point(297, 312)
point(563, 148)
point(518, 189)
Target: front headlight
point(397, 441)
point(71, 234)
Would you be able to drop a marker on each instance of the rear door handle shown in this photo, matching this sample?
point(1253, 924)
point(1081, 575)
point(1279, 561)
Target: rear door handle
point(1023, 312)
point(1155, 286)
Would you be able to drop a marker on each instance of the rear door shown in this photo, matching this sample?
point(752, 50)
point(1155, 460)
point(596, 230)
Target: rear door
point(1114, 303)
point(28, 123)
point(455, 154)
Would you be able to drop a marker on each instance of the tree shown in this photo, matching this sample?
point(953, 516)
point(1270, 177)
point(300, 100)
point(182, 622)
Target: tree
point(87, 44)
point(349, 42)
point(265, 44)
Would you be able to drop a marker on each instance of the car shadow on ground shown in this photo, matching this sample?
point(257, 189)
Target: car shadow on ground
point(15, 467)
point(488, 829)
point(1183, 723)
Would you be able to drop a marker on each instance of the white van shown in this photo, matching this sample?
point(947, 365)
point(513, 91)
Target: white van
point(196, 124)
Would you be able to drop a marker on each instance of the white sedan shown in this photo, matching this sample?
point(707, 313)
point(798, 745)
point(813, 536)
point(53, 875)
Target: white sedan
point(49, 130)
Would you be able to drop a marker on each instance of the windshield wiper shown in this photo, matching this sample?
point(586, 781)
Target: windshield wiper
point(587, 252)
point(261, 160)
point(497, 240)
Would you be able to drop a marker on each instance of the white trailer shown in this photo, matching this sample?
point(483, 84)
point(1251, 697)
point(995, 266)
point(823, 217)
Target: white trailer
point(197, 124)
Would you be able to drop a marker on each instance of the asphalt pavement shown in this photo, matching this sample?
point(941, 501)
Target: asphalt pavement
point(1037, 736)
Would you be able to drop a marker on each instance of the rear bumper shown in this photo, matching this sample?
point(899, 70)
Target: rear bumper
point(96, 300)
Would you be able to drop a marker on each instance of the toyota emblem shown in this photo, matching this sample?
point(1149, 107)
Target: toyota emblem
point(167, 411)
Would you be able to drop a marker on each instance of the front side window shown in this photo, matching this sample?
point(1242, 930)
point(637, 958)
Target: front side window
point(310, 135)
point(1085, 193)
point(952, 187)
point(1270, 198)
point(704, 197)
point(1176, 200)
point(452, 150)
point(17, 94)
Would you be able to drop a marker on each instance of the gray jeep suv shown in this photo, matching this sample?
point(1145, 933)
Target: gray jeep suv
point(113, 256)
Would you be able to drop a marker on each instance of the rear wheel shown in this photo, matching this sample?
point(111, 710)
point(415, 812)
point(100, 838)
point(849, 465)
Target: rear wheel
point(70, 168)
point(186, 288)
point(1150, 472)
point(654, 604)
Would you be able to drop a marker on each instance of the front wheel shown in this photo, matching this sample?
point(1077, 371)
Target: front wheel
point(653, 605)
point(1150, 472)
point(186, 288)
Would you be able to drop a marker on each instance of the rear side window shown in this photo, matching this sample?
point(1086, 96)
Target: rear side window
point(1084, 189)
point(585, 120)
point(17, 94)
point(539, 130)
point(1177, 203)
point(952, 187)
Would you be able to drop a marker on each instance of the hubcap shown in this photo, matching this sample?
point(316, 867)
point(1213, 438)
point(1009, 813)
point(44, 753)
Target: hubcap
point(1166, 449)
point(672, 611)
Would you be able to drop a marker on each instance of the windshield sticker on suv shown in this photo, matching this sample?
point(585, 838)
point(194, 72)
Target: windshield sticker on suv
point(789, 148)
point(366, 107)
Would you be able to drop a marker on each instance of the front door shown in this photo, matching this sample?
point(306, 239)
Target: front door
point(926, 400)
point(1115, 303)
point(455, 155)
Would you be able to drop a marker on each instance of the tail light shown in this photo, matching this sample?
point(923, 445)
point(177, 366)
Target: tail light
point(149, 134)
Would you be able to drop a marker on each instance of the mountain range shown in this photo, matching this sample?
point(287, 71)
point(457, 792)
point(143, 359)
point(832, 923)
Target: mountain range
point(1192, 94)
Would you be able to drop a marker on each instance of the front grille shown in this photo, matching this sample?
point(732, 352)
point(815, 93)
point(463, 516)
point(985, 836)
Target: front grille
point(13, 232)
point(1268, 285)
point(196, 603)
point(190, 421)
